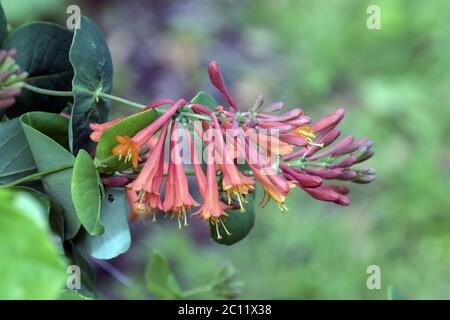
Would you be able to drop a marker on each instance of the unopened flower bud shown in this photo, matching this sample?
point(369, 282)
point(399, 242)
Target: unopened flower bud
point(329, 121)
point(339, 189)
point(276, 106)
point(346, 163)
point(342, 201)
point(305, 180)
point(11, 78)
point(323, 193)
point(218, 82)
point(347, 175)
point(325, 173)
point(118, 181)
point(363, 179)
point(258, 103)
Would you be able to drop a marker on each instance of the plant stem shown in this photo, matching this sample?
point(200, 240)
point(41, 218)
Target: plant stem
point(119, 100)
point(46, 91)
point(37, 176)
point(98, 94)
point(195, 291)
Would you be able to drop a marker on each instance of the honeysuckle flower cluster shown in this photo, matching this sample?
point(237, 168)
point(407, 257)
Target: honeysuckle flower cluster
point(239, 148)
point(11, 78)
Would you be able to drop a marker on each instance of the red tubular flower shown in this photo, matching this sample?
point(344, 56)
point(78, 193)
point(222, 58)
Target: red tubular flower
point(217, 80)
point(275, 187)
point(234, 182)
point(132, 200)
point(148, 182)
point(330, 121)
point(130, 148)
point(213, 208)
point(199, 175)
point(182, 200)
point(99, 128)
point(328, 193)
point(270, 143)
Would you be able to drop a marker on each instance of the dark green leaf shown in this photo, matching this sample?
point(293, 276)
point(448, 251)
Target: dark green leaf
point(116, 239)
point(205, 99)
point(239, 224)
point(88, 274)
point(91, 61)
point(31, 267)
point(3, 25)
point(42, 51)
point(86, 193)
point(53, 126)
point(16, 160)
point(105, 160)
point(159, 278)
point(49, 155)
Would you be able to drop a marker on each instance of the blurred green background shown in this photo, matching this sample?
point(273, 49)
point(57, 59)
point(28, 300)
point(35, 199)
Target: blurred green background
point(320, 55)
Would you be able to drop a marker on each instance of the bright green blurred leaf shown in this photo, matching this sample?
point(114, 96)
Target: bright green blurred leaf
point(31, 268)
point(43, 200)
point(159, 278)
point(43, 52)
point(48, 154)
point(116, 239)
point(16, 160)
point(91, 61)
point(86, 193)
point(104, 158)
point(72, 295)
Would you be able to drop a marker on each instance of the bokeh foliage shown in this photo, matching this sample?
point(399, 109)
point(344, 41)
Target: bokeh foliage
point(320, 55)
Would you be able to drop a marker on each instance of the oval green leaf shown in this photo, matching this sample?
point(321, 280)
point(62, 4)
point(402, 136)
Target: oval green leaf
point(239, 224)
point(86, 195)
point(104, 159)
point(116, 239)
point(16, 160)
point(205, 99)
point(91, 61)
point(49, 155)
point(43, 52)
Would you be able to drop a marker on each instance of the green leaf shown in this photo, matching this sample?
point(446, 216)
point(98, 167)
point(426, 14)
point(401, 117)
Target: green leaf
point(3, 25)
point(31, 267)
point(91, 60)
point(105, 160)
point(72, 295)
point(52, 125)
point(86, 193)
point(159, 278)
point(42, 198)
point(116, 239)
point(205, 99)
point(16, 160)
point(88, 274)
point(42, 51)
point(48, 155)
point(239, 224)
